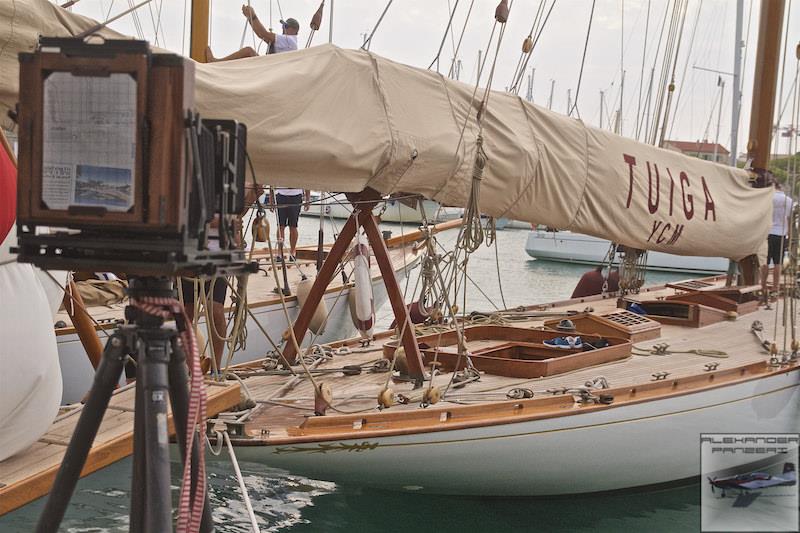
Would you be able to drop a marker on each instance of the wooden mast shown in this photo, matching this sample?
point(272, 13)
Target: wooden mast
point(770, 29)
point(765, 81)
point(198, 37)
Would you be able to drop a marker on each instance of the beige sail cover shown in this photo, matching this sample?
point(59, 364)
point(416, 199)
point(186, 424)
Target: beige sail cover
point(343, 120)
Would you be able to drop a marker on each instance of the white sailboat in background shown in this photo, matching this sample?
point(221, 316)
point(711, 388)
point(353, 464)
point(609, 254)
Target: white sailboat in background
point(568, 247)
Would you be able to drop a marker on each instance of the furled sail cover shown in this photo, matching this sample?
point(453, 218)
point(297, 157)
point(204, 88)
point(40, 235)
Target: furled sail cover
point(342, 120)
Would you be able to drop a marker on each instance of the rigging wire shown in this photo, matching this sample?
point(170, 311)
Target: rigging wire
point(368, 41)
point(671, 86)
point(444, 37)
point(783, 72)
point(524, 57)
point(685, 68)
point(99, 26)
point(460, 38)
point(642, 128)
point(641, 75)
point(583, 62)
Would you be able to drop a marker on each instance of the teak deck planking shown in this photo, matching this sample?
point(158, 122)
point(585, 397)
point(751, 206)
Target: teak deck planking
point(630, 379)
point(29, 474)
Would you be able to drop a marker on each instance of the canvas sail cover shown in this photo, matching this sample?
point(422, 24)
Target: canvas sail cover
point(343, 120)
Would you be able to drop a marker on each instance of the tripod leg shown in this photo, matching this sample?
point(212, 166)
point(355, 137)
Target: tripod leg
point(152, 376)
point(139, 479)
point(179, 398)
point(105, 379)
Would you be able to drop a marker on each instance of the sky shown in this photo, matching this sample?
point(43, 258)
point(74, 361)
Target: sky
point(622, 38)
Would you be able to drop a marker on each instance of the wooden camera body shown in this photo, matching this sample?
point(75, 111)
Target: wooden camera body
point(116, 163)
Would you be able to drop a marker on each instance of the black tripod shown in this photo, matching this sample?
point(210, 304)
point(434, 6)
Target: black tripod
point(161, 372)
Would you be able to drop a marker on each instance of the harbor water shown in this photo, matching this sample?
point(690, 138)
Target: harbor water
point(286, 502)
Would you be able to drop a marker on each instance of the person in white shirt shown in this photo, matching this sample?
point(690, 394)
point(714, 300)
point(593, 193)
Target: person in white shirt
point(776, 240)
point(277, 43)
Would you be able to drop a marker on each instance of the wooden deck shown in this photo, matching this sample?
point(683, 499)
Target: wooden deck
point(29, 474)
point(285, 415)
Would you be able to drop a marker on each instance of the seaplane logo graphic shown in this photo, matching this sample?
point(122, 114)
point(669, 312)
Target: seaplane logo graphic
point(751, 481)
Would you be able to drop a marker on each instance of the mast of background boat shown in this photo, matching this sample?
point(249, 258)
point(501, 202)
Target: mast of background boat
point(736, 101)
point(765, 79)
point(736, 106)
point(322, 200)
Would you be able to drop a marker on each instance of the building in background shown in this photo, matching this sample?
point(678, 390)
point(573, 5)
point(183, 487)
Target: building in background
point(701, 149)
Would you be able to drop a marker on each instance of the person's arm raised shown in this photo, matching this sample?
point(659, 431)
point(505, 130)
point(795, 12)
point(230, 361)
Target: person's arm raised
point(258, 28)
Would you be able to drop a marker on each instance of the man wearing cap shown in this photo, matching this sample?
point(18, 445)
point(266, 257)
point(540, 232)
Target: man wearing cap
point(285, 42)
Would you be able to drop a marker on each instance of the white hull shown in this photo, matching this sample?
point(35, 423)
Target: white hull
point(568, 247)
point(508, 223)
point(395, 211)
point(649, 443)
point(30, 382)
point(78, 372)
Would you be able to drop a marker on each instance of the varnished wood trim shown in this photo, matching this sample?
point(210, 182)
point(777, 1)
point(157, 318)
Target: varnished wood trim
point(491, 414)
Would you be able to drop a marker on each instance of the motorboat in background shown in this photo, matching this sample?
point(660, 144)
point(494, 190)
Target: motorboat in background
point(568, 247)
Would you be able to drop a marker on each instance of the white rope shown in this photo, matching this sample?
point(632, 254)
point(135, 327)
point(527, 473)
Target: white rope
point(242, 487)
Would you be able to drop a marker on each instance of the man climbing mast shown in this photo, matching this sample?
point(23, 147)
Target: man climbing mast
point(277, 43)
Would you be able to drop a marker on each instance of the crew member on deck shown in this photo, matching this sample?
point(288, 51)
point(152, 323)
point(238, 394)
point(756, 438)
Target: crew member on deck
point(277, 43)
point(776, 240)
point(289, 202)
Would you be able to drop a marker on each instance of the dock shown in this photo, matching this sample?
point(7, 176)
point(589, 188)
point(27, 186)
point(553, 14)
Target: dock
point(30, 474)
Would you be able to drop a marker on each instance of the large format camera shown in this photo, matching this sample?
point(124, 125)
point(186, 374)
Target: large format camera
point(117, 171)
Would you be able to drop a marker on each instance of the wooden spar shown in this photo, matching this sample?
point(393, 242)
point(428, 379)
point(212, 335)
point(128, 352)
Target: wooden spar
point(198, 38)
point(401, 240)
point(404, 324)
point(770, 29)
point(73, 304)
point(366, 201)
point(765, 81)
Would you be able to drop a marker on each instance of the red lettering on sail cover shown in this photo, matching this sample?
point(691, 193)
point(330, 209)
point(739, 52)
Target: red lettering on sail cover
point(631, 163)
point(668, 232)
point(709, 200)
point(688, 211)
point(671, 190)
point(652, 206)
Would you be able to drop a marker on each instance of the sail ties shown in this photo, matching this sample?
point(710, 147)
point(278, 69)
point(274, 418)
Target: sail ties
point(472, 235)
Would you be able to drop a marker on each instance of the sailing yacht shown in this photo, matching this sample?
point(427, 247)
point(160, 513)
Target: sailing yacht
point(583, 395)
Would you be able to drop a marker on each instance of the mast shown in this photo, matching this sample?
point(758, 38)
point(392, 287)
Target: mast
point(198, 37)
point(330, 24)
point(601, 110)
point(721, 84)
point(770, 29)
point(736, 101)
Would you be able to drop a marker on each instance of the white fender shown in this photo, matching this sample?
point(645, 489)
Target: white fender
point(317, 324)
point(360, 300)
point(30, 380)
